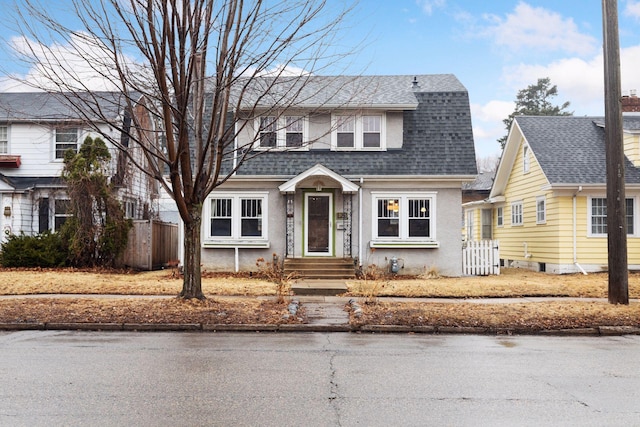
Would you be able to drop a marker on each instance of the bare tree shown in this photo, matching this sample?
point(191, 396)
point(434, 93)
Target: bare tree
point(157, 54)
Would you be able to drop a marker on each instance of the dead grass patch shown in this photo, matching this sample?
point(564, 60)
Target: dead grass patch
point(137, 310)
point(510, 283)
point(525, 316)
point(163, 282)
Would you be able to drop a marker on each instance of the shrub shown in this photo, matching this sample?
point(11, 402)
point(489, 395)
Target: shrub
point(41, 250)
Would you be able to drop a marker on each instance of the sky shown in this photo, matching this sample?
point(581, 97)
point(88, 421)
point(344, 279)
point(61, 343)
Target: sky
point(494, 47)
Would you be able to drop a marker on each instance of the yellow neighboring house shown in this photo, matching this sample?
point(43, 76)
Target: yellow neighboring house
point(547, 206)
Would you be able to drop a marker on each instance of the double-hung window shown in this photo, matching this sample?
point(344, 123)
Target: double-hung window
point(4, 139)
point(516, 213)
point(598, 216)
point(500, 216)
point(541, 210)
point(358, 132)
point(281, 132)
point(407, 218)
point(237, 217)
point(65, 139)
point(61, 212)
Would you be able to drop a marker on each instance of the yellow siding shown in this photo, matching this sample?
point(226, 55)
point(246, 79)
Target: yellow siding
point(531, 241)
point(631, 148)
point(477, 225)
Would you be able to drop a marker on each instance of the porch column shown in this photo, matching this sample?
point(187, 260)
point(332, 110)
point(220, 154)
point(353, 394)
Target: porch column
point(347, 203)
point(290, 225)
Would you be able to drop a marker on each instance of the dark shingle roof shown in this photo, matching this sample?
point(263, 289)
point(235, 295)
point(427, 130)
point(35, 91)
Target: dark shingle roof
point(437, 136)
point(570, 149)
point(343, 91)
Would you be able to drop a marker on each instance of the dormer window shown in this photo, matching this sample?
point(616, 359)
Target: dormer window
point(358, 132)
point(281, 132)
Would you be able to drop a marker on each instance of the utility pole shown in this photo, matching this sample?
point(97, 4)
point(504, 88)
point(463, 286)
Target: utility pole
point(616, 214)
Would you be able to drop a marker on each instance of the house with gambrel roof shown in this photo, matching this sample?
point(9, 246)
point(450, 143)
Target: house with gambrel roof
point(548, 201)
point(366, 169)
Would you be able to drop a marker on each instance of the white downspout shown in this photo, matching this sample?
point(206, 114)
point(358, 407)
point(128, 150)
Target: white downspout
point(575, 233)
point(237, 255)
point(360, 223)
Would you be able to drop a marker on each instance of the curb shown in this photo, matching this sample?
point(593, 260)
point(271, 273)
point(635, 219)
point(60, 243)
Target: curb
point(294, 327)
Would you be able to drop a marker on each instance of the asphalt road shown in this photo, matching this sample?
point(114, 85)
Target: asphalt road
point(316, 379)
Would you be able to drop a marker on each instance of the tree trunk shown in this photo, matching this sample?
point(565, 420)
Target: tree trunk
point(192, 284)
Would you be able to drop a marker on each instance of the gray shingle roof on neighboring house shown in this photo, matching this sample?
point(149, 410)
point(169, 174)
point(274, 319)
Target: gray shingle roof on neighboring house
point(45, 107)
point(437, 135)
point(571, 150)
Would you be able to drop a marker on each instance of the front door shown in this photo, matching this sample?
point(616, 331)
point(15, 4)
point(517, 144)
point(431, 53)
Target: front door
point(318, 224)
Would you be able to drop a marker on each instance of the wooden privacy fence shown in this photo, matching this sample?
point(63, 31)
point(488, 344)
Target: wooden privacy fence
point(151, 245)
point(480, 258)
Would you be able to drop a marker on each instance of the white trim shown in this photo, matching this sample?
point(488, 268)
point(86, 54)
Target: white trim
point(318, 170)
point(236, 239)
point(520, 205)
point(604, 235)
point(8, 128)
point(403, 239)
point(330, 226)
point(541, 216)
point(281, 132)
point(358, 131)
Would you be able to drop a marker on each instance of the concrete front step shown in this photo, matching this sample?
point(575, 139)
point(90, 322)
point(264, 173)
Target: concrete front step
point(320, 268)
point(319, 287)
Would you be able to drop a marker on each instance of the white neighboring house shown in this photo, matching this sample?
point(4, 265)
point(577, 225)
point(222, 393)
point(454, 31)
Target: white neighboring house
point(36, 128)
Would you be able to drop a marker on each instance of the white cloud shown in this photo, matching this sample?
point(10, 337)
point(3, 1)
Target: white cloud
point(492, 110)
point(633, 9)
point(579, 81)
point(80, 63)
point(428, 6)
point(538, 29)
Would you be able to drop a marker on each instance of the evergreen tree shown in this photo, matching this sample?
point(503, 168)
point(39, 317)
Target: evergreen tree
point(535, 101)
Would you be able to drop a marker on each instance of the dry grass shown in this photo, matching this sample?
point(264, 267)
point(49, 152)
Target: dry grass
point(525, 316)
point(163, 282)
point(510, 283)
point(137, 310)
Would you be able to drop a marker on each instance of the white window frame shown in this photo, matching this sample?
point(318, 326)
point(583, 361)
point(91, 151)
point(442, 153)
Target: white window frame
point(470, 221)
point(360, 129)
point(517, 213)
point(500, 216)
point(236, 239)
point(281, 130)
point(633, 223)
point(4, 139)
point(56, 130)
point(526, 159)
point(541, 210)
point(66, 215)
point(403, 239)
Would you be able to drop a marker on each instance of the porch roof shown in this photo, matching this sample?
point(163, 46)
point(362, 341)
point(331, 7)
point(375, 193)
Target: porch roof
point(320, 171)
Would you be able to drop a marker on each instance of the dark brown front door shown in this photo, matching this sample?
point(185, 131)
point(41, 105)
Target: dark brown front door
point(318, 230)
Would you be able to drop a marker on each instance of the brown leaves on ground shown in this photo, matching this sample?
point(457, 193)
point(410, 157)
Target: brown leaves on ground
point(143, 310)
point(512, 282)
point(515, 316)
point(564, 313)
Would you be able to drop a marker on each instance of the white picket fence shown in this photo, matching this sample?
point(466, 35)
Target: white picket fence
point(481, 258)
